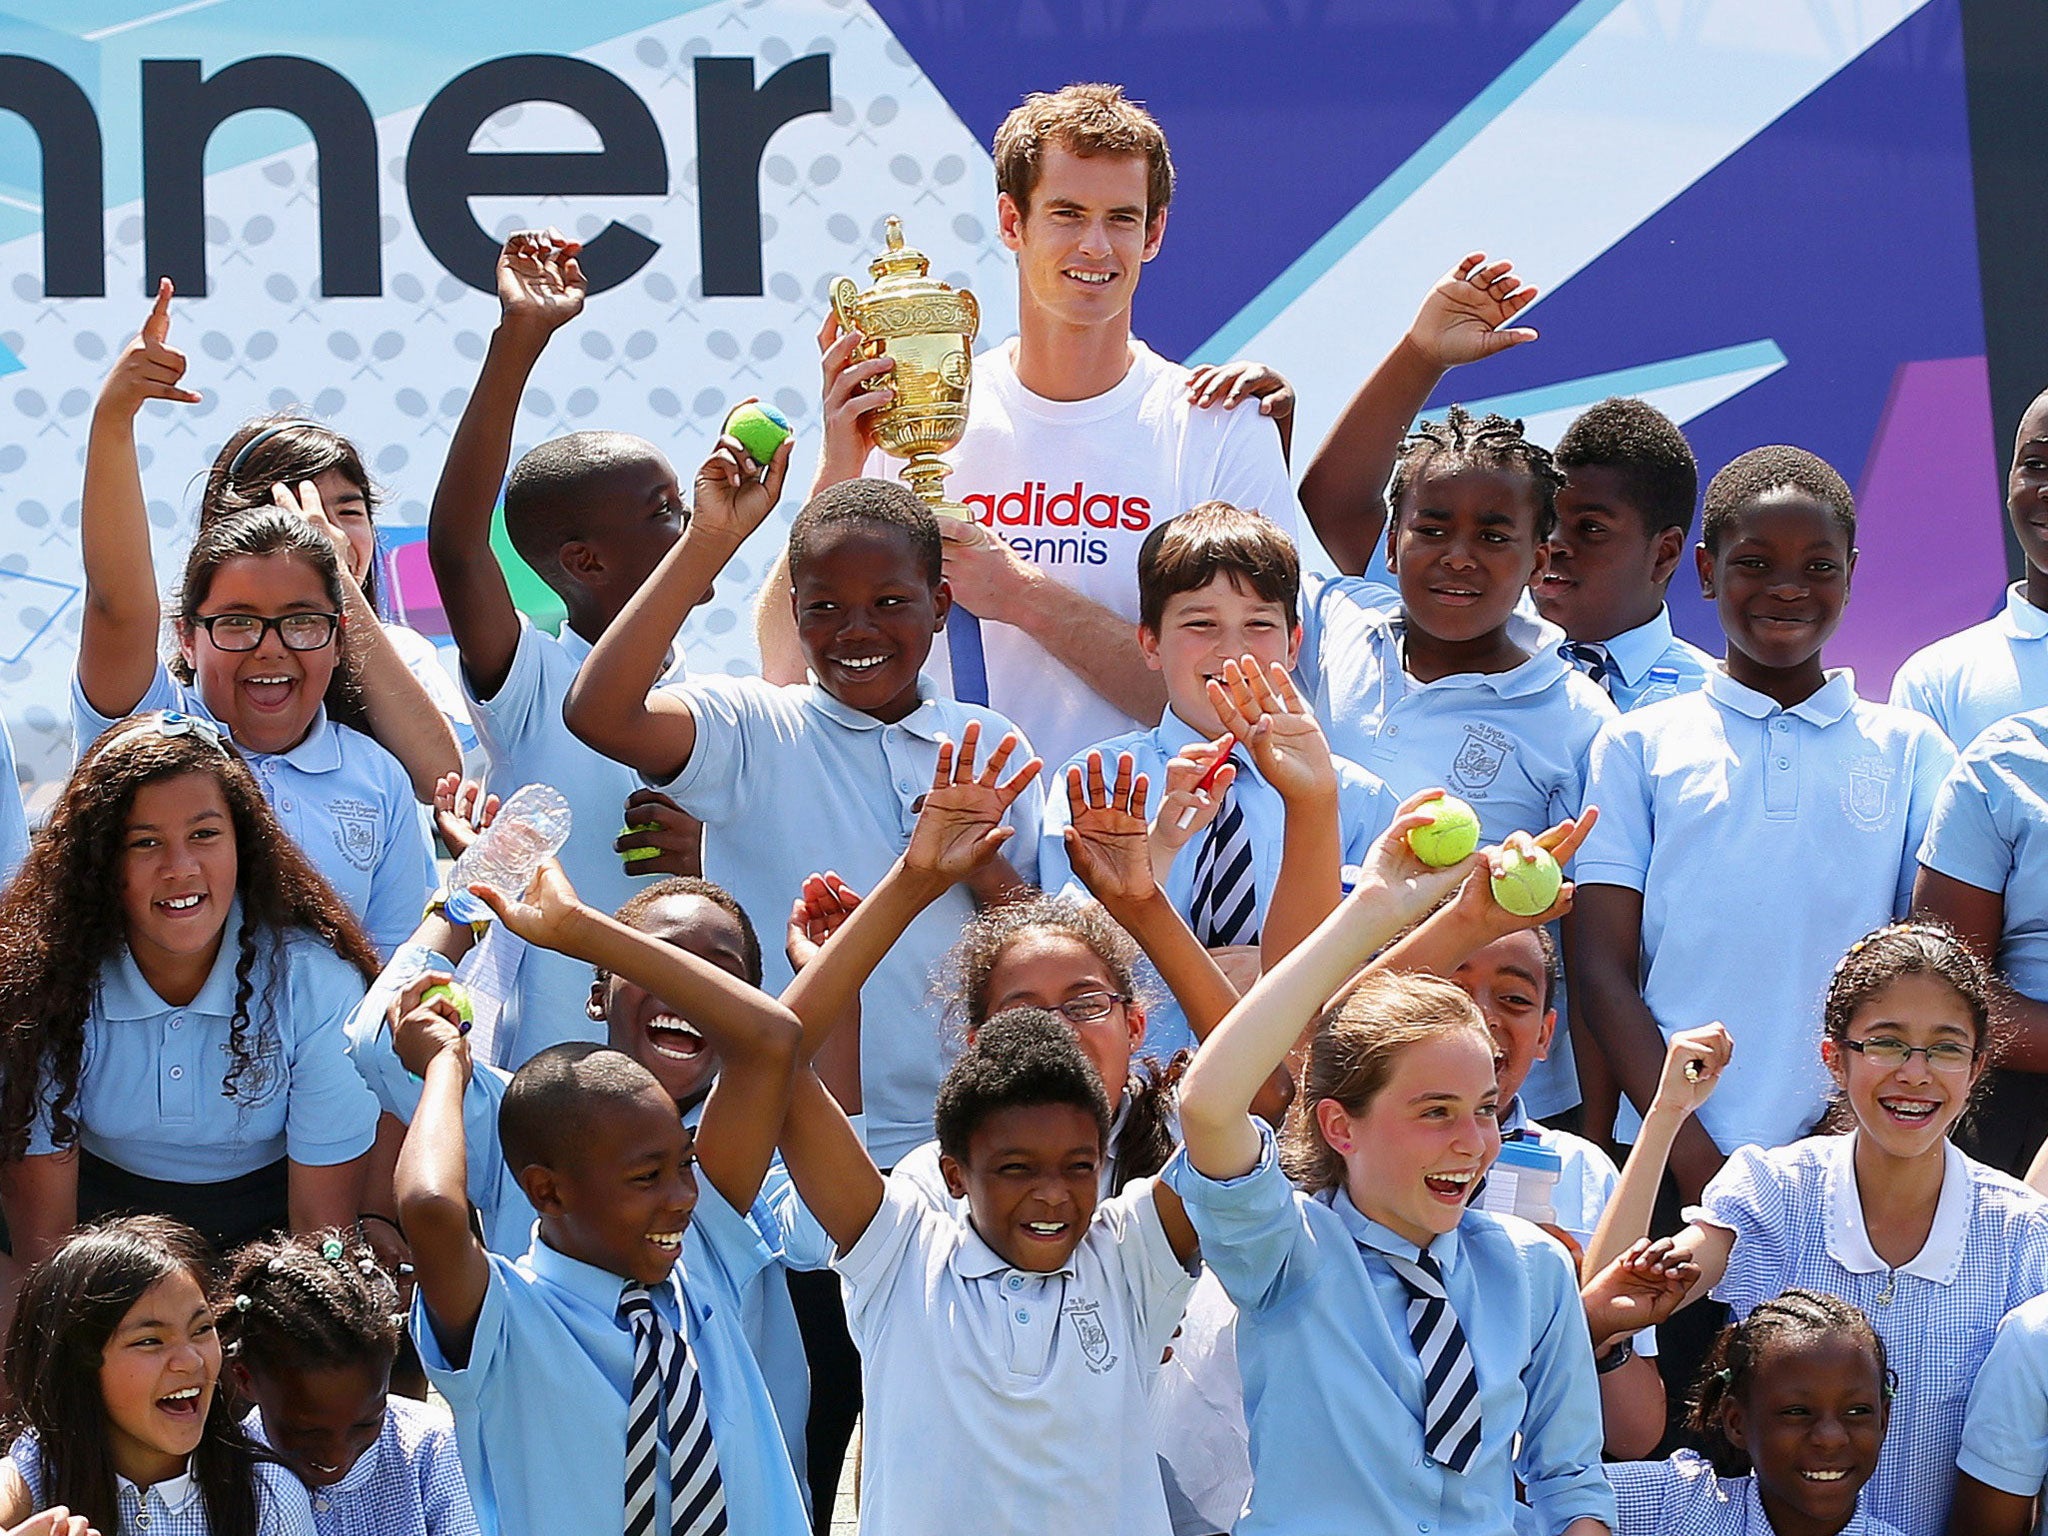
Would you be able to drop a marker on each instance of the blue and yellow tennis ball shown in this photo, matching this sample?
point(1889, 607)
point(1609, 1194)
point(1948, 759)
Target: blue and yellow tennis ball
point(457, 994)
point(1451, 835)
point(1527, 883)
point(758, 428)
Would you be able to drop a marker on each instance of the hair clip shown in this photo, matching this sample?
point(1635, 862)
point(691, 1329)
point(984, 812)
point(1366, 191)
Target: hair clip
point(277, 1266)
point(243, 1303)
point(169, 724)
point(331, 1250)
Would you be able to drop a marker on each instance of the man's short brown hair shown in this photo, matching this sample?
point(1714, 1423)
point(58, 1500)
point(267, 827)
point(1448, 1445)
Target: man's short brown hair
point(1084, 120)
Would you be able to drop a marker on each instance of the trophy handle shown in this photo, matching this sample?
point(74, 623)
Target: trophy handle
point(972, 305)
point(845, 295)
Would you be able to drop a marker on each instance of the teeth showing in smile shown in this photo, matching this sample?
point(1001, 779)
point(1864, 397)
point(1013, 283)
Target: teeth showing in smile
point(1046, 1228)
point(691, 1042)
point(1094, 278)
point(278, 681)
point(862, 663)
point(1824, 1477)
point(666, 1239)
point(183, 1395)
point(183, 903)
point(1910, 1109)
point(1454, 1180)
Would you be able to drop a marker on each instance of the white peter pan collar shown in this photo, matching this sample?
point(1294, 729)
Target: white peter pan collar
point(173, 1493)
point(1848, 1241)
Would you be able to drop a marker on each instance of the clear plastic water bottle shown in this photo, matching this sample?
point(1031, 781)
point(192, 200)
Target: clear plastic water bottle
point(1521, 1182)
point(1661, 683)
point(530, 827)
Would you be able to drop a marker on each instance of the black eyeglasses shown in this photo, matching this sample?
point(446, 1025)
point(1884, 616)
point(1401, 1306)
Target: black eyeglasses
point(1890, 1054)
point(1089, 1007)
point(245, 631)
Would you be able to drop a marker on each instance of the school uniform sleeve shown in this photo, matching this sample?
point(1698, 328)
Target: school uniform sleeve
point(1365, 808)
point(1559, 1463)
point(1156, 1282)
point(799, 1241)
point(738, 726)
point(1932, 761)
point(1753, 1197)
point(1254, 1234)
point(404, 875)
point(1653, 1497)
point(2005, 1437)
point(1917, 686)
point(1591, 711)
point(463, 1386)
point(1970, 836)
point(1321, 598)
point(871, 1268)
point(164, 692)
point(723, 1251)
point(1617, 850)
point(330, 1116)
point(283, 1507)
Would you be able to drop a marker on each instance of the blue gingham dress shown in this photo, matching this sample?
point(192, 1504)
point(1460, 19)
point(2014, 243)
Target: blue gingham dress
point(175, 1508)
point(1798, 1221)
point(409, 1483)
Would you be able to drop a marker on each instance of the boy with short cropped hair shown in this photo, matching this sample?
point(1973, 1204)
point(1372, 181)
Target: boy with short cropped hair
point(792, 779)
point(591, 513)
point(1979, 676)
point(1217, 586)
point(1711, 804)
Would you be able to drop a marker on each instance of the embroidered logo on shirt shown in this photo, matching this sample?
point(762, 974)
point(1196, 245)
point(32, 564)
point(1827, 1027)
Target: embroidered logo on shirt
point(355, 832)
point(1869, 795)
point(1480, 759)
point(1093, 1336)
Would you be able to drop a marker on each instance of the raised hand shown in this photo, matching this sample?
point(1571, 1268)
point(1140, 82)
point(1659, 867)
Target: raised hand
point(1391, 869)
point(1262, 708)
point(305, 502)
point(849, 404)
point(1693, 1064)
point(959, 826)
point(1186, 809)
point(1107, 837)
point(734, 495)
point(422, 1030)
point(1638, 1290)
point(461, 811)
point(1475, 897)
point(540, 281)
point(149, 368)
point(667, 838)
point(542, 916)
point(1463, 318)
point(826, 903)
point(1231, 384)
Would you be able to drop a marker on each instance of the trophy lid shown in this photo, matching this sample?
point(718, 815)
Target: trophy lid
point(899, 260)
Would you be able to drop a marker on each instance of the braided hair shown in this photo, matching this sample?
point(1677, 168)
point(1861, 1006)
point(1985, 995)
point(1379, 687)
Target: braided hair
point(1492, 441)
point(1795, 1317)
point(310, 1300)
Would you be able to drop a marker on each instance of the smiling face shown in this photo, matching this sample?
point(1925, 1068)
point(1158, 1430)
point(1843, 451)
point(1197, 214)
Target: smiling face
point(1813, 1422)
point(157, 1377)
point(179, 868)
point(622, 1196)
point(348, 505)
point(320, 1419)
point(1507, 979)
point(865, 616)
point(1030, 1181)
point(266, 697)
point(1043, 968)
point(646, 1028)
point(2026, 487)
point(1412, 1154)
point(1779, 580)
point(633, 513)
point(1907, 1110)
point(1463, 547)
point(1201, 630)
point(1081, 244)
point(1607, 569)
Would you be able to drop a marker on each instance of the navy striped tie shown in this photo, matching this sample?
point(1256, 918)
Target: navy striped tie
point(1450, 1385)
point(1591, 658)
point(1225, 910)
point(667, 1404)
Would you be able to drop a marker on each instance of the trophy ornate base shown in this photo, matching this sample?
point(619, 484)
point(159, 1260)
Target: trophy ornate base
point(926, 475)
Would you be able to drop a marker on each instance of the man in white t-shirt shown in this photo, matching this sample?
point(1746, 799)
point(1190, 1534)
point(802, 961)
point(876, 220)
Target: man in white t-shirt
point(1080, 439)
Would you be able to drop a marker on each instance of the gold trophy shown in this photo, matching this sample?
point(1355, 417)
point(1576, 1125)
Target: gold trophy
point(928, 328)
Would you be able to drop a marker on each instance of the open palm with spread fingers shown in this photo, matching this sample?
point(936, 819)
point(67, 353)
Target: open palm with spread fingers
point(959, 826)
point(1466, 315)
point(1265, 711)
point(1108, 839)
point(540, 279)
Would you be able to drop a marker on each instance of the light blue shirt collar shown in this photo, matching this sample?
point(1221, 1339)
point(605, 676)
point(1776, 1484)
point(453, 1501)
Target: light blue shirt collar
point(927, 722)
point(1634, 651)
point(1364, 1230)
point(1824, 706)
point(1539, 637)
point(1174, 735)
point(124, 994)
point(600, 1288)
point(1513, 1117)
point(975, 1260)
point(578, 650)
point(2021, 620)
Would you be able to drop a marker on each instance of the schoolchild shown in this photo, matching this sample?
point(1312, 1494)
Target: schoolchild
point(2002, 1467)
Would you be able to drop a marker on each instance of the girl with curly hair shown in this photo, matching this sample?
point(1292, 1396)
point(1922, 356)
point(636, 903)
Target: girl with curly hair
point(174, 981)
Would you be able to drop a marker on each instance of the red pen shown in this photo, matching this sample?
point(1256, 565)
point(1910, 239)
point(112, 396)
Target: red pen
point(1208, 780)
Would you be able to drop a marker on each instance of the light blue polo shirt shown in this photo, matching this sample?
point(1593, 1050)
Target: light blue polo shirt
point(1333, 1387)
point(525, 742)
point(340, 796)
point(1365, 807)
point(151, 1092)
point(2005, 1436)
point(540, 1408)
point(1977, 676)
point(1512, 743)
point(1990, 830)
point(1765, 841)
point(788, 782)
point(1635, 653)
point(13, 820)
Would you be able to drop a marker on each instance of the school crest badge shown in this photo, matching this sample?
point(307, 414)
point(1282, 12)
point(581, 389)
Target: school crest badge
point(1868, 797)
point(1093, 1337)
point(1480, 758)
point(355, 833)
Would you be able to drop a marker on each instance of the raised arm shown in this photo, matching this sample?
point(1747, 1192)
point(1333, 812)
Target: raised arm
point(613, 705)
point(540, 288)
point(755, 1036)
point(1394, 888)
point(118, 630)
point(1344, 491)
point(433, 1173)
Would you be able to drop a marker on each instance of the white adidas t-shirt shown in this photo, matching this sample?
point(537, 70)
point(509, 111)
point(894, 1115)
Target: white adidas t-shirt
point(1075, 485)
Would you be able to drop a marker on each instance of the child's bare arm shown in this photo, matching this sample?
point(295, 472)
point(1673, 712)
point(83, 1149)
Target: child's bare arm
point(838, 1181)
point(1233, 1064)
point(613, 705)
point(1471, 920)
point(433, 1174)
point(754, 1035)
point(1981, 1510)
point(540, 288)
point(1344, 491)
point(117, 636)
point(1692, 1069)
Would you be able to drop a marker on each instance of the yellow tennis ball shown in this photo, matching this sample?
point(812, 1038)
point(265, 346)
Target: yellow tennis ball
point(760, 429)
point(456, 993)
point(1527, 884)
point(1452, 833)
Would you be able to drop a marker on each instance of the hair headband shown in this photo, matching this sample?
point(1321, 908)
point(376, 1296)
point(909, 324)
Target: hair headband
point(242, 453)
point(171, 723)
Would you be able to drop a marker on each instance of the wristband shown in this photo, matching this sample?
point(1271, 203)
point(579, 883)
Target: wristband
point(1615, 1358)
